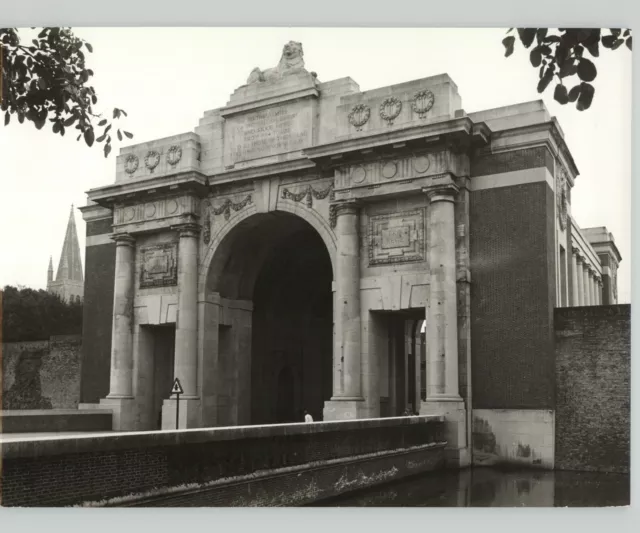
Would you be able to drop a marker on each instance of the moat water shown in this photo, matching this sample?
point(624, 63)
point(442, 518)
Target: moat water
point(488, 487)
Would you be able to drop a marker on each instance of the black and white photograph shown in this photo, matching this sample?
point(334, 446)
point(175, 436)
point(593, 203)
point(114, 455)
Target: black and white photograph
point(315, 267)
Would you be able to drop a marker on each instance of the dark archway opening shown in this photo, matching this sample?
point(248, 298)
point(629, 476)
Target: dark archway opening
point(292, 331)
point(269, 366)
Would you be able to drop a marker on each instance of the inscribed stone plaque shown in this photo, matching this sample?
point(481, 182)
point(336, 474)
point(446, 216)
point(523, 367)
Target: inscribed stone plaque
point(159, 265)
point(270, 131)
point(396, 238)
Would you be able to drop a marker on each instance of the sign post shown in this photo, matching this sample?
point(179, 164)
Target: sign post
point(177, 390)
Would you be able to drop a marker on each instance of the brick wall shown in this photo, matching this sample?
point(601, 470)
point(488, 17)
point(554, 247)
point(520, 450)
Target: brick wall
point(593, 366)
point(41, 374)
point(97, 320)
point(73, 470)
point(512, 296)
point(512, 161)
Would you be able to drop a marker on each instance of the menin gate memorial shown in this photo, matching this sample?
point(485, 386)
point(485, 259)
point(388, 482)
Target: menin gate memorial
point(311, 246)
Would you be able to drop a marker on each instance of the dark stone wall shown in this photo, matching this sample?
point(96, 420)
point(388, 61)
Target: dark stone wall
point(41, 374)
point(593, 373)
point(97, 321)
point(71, 471)
point(512, 296)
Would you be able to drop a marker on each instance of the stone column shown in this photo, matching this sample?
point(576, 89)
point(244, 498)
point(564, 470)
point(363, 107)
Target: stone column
point(592, 287)
point(578, 279)
point(186, 358)
point(347, 392)
point(599, 291)
point(120, 400)
point(186, 347)
point(585, 283)
point(121, 384)
point(443, 396)
point(575, 286)
point(442, 318)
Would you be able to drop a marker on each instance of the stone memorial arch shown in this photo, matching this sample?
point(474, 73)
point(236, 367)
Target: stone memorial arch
point(288, 253)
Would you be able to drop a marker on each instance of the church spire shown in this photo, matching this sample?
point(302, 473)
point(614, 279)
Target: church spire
point(50, 271)
point(70, 266)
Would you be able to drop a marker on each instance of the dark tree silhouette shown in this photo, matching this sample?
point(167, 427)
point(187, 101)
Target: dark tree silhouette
point(48, 80)
point(30, 315)
point(560, 55)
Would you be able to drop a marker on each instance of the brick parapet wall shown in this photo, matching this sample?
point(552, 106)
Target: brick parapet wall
point(70, 470)
point(593, 381)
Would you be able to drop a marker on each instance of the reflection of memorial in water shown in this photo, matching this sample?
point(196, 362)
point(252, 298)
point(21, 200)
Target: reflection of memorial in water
point(490, 487)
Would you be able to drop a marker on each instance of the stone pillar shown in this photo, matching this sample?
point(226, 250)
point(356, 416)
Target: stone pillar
point(186, 347)
point(575, 290)
point(599, 287)
point(443, 396)
point(578, 279)
point(120, 399)
point(592, 287)
point(121, 384)
point(585, 283)
point(442, 318)
point(347, 391)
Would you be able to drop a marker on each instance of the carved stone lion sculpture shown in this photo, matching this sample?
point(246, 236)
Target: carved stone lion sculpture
point(291, 62)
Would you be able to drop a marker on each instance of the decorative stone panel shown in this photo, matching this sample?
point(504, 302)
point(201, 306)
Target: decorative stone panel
point(159, 265)
point(396, 238)
point(155, 210)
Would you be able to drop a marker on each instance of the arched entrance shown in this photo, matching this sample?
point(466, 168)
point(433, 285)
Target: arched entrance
point(271, 356)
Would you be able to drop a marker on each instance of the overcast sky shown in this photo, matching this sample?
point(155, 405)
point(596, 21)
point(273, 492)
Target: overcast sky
point(167, 78)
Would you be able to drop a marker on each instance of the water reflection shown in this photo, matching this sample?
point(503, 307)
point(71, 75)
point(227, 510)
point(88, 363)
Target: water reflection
point(488, 487)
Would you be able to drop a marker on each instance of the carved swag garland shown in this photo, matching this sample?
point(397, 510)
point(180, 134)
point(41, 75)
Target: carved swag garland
point(308, 194)
point(223, 209)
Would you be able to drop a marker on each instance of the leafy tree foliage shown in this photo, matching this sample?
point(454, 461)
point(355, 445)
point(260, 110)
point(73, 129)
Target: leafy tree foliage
point(561, 55)
point(30, 315)
point(48, 79)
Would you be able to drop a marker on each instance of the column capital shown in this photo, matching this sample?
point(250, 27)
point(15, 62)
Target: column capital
point(576, 250)
point(188, 229)
point(346, 207)
point(441, 193)
point(123, 239)
point(579, 257)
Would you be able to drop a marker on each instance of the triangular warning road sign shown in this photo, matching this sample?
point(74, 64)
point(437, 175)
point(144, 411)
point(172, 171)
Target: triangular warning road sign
point(177, 388)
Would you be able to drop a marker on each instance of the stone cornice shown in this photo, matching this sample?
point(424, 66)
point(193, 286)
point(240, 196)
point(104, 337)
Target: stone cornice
point(248, 173)
point(556, 143)
point(464, 127)
point(109, 195)
point(280, 98)
point(95, 212)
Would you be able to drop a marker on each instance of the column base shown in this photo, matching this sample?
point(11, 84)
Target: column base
point(189, 413)
point(455, 428)
point(124, 412)
point(343, 409)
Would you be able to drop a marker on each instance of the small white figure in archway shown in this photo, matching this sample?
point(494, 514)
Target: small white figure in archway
point(307, 417)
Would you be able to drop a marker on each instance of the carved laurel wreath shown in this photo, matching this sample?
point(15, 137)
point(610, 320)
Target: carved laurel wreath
point(390, 109)
point(152, 159)
point(359, 116)
point(131, 164)
point(561, 197)
point(174, 155)
point(422, 102)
